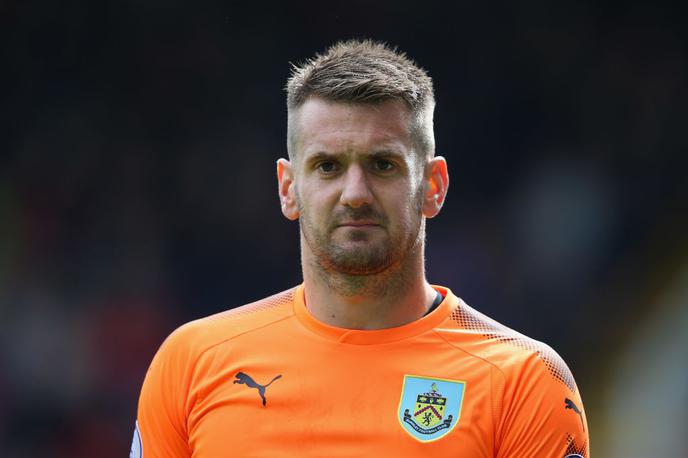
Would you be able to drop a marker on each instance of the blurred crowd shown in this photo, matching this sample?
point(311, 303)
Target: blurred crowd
point(138, 192)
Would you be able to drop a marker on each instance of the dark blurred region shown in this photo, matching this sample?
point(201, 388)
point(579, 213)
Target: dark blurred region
point(137, 186)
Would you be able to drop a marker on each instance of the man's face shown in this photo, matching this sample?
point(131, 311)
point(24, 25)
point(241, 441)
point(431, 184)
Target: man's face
point(357, 184)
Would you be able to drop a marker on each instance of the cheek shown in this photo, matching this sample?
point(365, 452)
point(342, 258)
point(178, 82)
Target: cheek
point(310, 206)
point(413, 197)
point(318, 198)
point(412, 208)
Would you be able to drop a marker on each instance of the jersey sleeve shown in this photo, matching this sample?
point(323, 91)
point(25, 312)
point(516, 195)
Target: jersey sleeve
point(161, 419)
point(542, 412)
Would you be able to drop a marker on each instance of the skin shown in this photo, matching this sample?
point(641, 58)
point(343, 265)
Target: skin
point(361, 194)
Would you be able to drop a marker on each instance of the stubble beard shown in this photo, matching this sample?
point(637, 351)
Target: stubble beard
point(354, 267)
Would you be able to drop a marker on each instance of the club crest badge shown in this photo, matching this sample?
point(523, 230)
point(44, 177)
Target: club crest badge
point(430, 407)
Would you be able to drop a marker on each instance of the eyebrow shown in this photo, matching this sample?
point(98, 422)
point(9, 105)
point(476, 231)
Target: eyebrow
point(378, 154)
point(386, 153)
point(319, 156)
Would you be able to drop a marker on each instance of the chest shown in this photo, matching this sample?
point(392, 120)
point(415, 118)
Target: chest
point(300, 399)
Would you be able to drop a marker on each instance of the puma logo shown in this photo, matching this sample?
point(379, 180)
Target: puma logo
point(570, 405)
point(246, 379)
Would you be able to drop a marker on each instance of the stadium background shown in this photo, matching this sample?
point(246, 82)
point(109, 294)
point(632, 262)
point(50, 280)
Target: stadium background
point(137, 192)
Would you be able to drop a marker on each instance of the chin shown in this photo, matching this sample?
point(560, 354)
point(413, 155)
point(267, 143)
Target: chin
point(360, 261)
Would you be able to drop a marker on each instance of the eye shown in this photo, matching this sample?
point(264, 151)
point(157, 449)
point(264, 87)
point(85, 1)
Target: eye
point(383, 165)
point(327, 166)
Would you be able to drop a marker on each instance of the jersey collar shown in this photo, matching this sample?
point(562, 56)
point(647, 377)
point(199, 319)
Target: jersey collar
point(378, 336)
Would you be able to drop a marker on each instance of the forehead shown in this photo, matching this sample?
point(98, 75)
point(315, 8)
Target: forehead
point(321, 125)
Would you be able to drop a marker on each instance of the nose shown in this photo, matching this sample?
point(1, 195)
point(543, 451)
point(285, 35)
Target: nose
point(356, 192)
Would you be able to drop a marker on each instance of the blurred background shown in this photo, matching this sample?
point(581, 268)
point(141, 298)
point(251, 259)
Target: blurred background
point(138, 143)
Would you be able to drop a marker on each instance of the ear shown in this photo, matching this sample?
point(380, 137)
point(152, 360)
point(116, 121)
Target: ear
point(435, 186)
point(286, 189)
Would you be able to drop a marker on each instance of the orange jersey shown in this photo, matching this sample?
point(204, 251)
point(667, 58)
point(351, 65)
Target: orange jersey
point(268, 379)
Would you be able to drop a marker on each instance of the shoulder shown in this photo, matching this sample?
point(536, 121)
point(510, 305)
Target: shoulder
point(172, 383)
point(510, 352)
point(195, 337)
point(538, 410)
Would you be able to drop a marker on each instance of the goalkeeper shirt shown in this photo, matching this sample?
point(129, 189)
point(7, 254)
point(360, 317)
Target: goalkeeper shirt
point(268, 379)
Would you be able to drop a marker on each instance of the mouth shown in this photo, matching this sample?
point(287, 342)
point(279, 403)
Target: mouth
point(358, 224)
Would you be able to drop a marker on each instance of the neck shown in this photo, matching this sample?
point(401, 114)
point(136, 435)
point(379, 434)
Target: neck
point(396, 296)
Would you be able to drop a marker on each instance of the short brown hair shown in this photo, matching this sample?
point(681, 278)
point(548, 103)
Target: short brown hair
point(366, 71)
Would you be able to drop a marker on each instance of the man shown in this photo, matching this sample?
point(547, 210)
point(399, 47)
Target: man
point(365, 357)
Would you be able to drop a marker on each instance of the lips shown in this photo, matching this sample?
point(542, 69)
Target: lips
point(357, 224)
point(364, 217)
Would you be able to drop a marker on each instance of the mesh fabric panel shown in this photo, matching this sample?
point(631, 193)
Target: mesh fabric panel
point(574, 449)
point(276, 300)
point(472, 320)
